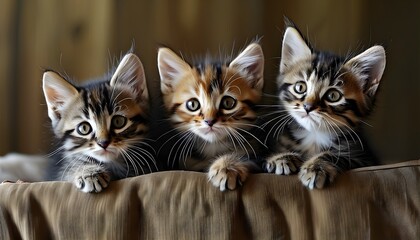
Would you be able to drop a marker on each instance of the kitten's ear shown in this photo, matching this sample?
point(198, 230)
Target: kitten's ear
point(170, 66)
point(251, 60)
point(294, 48)
point(369, 67)
point(57, 91)
point(130, 75)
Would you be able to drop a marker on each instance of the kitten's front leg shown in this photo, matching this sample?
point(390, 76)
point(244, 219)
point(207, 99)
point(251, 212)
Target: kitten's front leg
point(229, 171)
point(91, 178)
point(318, 171)
point(283, 163)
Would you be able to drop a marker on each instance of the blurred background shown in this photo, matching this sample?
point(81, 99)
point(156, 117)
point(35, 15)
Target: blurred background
point(83, 38)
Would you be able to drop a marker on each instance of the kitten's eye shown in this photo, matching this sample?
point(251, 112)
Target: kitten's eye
point(84, 128)
point(228, 103)
point(300, 87)
point(193, 105)
point(118, 121)
point(333, 95)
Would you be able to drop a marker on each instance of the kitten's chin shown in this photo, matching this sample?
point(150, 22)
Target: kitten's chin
point(209, 136)
point(104, 155)
point(308, 121)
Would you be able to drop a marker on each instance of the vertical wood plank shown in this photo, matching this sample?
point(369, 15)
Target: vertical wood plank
point(69, 35)
point(7, 57)
point(396, 130)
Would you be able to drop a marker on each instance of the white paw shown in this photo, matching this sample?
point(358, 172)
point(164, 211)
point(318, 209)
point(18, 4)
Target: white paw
point(317, 173)
point(93, 182)
point(228, 172)
point(283, 163)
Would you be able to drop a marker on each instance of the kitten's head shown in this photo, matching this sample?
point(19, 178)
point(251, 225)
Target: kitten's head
point(212, 100)
point(102, 119)
point(323, 91)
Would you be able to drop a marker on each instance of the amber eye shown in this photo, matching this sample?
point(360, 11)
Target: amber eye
point(333, 95)
point(193, 104)
point(118, 121)
point(228, 103)
point(300, 87)
point(84, 128)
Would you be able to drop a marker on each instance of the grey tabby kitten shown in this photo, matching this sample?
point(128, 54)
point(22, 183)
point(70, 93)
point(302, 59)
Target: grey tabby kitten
point(324, 99)
point(101, 126)
point(211, 106)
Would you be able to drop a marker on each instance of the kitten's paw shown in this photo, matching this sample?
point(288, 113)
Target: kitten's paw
point(283, 163)
point(93, 182)
point(317, 173)
point(228, 172)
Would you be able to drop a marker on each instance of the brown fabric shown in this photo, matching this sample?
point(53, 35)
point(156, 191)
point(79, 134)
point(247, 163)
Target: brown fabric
point(371, 203)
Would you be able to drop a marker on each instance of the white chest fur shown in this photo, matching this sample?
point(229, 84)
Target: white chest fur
point(313, 142)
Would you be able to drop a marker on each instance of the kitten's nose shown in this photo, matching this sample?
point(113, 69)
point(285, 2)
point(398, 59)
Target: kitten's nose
point(308, 107)
point(210, 122)
point(103, 143)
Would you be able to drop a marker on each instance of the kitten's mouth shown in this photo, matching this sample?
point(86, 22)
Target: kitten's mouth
point(209, 130)
point(209, 134)
point(308, 121)
point(303, 115)
point(105, 154)
point(306, 116)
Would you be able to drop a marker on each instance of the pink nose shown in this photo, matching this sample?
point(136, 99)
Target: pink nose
point(308, 107)
point(103, 143)
point(210, 122)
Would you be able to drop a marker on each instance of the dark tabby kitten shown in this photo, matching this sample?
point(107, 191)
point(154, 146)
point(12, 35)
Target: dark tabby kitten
point(212, 108)
point(101, 126)
point(324, 99)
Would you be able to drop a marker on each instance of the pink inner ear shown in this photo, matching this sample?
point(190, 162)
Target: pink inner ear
point(54, 97)
point(169, 71)
point(51, 94)
point(253, 69)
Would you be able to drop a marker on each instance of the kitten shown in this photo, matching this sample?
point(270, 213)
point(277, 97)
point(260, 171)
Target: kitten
point(101, 126)
point(324, 99)
point(212, 108)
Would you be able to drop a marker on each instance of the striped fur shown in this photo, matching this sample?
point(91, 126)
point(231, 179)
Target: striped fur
point(101, 126)
point(212, 109)
point(323, 101)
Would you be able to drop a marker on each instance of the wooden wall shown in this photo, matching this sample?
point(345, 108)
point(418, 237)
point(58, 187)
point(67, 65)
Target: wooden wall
point(83, 38)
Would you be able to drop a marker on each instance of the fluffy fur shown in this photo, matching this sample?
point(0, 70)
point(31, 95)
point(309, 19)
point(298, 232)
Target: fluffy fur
point(323, 101)
point(101, 126)
point(211, 106)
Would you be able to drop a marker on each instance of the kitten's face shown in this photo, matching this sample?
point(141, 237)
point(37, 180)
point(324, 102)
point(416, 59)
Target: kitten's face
point(210, 102)
point(100, 125)
point(213, 101)
point(323, 92)
point(101, 120)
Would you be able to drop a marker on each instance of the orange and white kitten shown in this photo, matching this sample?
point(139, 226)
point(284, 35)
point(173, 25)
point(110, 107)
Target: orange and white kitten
point(211, 106)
